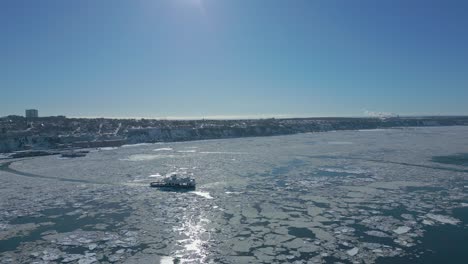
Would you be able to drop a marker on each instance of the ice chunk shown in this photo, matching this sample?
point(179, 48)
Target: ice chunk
point(377, 233)
point(88, 258)
point(136, 145)
point(353, 251)
point(51, 254)
point(187, 151)
point(402, 229)
point(162, 149)
point(344, 229)
point(114, 258)
point(167, 260)
point(92, 246)
point(108, 148)
point(146, 157)
point(233, 192)
point(443, 219)
point(371, 245)
point(71, 257)
point(427, 222)
point(204, 194)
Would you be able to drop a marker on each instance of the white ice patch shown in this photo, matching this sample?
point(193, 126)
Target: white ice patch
point(92, 246)
point(372, 130)
point(88, 258)
point(143, 157)
point(402, 229)
point(353, 251)
point(204, 194)
point(166, 260)
point(376, 233)
point(162, 149)
point(71, 257)
point(443, 219)
point(108, 148)
point(233, 192)
point(427, 222)
point(339, 170)
point(136, 145)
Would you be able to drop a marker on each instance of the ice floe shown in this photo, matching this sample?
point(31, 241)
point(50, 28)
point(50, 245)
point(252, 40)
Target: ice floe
point(136, 145)
point(145, 157)
point(372, 130)
point(203, 194)
point(162, 149)
point(402, 230)
point(233, 192)
point(443, 219)
point(376, 233)
point(108, 148)
point(166, 260)
point(187, 151)
point(353, 251)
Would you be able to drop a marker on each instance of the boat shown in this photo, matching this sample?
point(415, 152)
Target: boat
point(174, 181)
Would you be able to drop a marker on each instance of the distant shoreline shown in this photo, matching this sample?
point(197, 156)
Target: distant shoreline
point(60, 133)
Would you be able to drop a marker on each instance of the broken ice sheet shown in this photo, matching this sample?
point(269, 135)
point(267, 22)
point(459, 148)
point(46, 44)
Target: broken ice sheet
point(353, 251)
point(251, 211)
point(443, 219)
point(402, 230)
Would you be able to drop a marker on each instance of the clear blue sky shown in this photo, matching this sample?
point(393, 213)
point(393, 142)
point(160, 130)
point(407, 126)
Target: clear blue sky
point(201, 58)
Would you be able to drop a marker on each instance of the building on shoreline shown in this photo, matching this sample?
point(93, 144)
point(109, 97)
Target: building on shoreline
point(32, 113)
point(58, 132)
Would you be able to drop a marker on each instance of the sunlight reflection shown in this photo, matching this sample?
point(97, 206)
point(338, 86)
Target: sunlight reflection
point(197, 237)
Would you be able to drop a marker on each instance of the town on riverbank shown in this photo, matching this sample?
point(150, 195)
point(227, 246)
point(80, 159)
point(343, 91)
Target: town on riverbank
point(18, 133)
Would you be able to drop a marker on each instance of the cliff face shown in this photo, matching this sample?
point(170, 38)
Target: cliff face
point(185, 134)
point(9, 144)
point(167, 131)
point(192, 133)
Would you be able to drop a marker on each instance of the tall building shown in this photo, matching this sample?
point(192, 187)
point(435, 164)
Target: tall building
point(32, 113)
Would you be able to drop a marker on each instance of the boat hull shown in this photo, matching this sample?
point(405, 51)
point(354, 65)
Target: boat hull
point(171, 186)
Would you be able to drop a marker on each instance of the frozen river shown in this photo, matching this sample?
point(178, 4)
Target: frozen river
point(371, 196)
